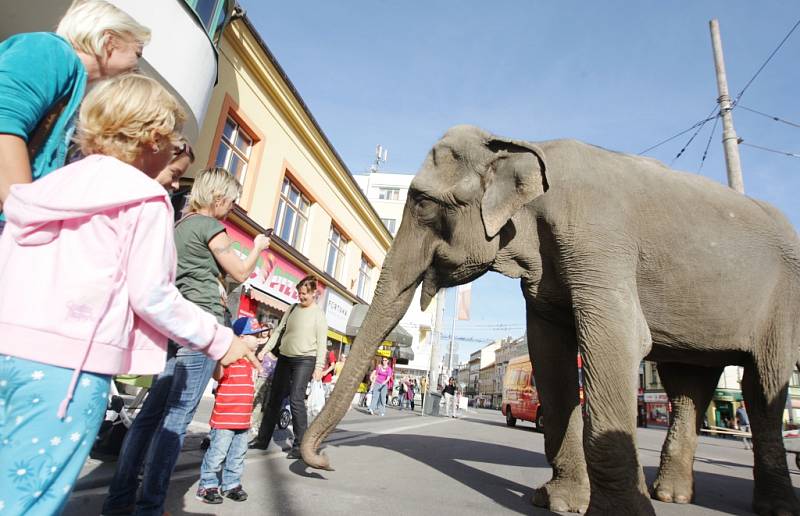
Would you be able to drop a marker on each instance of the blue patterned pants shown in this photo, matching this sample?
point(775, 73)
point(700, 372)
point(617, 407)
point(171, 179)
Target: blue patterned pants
point(40, 454)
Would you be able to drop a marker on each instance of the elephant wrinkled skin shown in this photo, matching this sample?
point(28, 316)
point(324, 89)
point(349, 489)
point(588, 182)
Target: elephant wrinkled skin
point(619, 258)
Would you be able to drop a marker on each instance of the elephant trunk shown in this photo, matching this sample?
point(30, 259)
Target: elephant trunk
point(402, 271)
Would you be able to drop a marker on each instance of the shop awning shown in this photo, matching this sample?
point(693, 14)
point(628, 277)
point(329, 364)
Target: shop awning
point(406, 354)
point(399, 336)
point(266, 299)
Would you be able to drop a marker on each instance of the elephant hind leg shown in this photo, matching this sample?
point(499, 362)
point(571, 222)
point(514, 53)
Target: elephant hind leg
point(764, 387)
point(690, 389)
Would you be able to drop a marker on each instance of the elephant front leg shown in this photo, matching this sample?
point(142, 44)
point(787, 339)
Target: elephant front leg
point(612, 337)
point(554, 353)
point(690, 389)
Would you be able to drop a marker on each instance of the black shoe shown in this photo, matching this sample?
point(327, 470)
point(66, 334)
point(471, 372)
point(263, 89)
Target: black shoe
point(258, 444)
point(294, 454)
point(210, 495)
point(237, 494)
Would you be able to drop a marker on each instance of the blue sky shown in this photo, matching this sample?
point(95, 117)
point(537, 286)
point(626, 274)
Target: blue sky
point(622, 75)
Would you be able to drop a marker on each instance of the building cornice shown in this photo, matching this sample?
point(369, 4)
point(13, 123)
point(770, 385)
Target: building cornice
point(246, 41)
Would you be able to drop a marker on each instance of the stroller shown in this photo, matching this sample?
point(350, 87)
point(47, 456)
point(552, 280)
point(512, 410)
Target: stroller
point(122, 409)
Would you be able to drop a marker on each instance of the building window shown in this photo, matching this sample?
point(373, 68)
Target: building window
point(795, 381)
point(212, 14)
point(364, 278)
point(390, 225)
point(335, 257)
point(292, 217)
point(389, 194)
point(233, 153)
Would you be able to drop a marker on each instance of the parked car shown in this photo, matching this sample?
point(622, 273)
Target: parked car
point(520, 399)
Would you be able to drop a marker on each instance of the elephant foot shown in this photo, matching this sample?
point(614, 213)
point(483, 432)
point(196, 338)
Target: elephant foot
point(673, 488)
point(634, 505)
point(773, 505)
point(562, 496)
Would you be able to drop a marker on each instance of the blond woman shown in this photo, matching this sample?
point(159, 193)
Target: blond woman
point(43, 78)
point(205, 254)
point(87, 263)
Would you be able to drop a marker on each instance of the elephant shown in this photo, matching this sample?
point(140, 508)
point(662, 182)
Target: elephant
point(619, 259)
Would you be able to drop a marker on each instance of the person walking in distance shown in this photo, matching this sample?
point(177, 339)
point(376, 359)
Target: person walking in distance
point(300, 341)
point(449, 393)
point(423, 389)
point(230, 426)
point(744, 424)
point(380, 379)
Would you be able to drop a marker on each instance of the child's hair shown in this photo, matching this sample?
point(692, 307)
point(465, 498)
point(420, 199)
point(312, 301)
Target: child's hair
point(87, 24)
point(182, 149)
point(212, 184)
point(309, 281)
point(123, 113)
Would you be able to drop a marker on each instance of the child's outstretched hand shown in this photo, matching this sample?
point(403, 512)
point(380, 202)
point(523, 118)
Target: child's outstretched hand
point(241, 348)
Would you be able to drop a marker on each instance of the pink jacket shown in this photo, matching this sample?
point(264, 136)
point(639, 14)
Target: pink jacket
point(87, 268)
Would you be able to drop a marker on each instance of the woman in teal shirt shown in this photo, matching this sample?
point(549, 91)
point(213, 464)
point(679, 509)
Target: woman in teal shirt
point(43, 78)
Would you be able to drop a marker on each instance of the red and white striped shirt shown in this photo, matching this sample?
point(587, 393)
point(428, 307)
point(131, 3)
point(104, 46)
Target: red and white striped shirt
point(235, 393)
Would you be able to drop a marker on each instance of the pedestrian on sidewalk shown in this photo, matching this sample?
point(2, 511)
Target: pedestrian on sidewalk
point(411, 393)
point(205, 252)
point(380, 378)
point(230, 426)
point(327, 372)
point(401, 393)
point(744, 425)
point(300, 341)
point(91, 248)
point(449, 394)
point(423, 389)
point(43, 79)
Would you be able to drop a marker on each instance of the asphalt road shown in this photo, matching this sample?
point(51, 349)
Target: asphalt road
point(407, 464)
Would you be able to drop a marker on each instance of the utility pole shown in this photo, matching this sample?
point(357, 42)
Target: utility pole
point(730, 141)
point(433, 370)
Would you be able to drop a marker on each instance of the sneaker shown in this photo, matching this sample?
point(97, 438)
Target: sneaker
point(209, 495)
point(371, 413)
point(237, 494)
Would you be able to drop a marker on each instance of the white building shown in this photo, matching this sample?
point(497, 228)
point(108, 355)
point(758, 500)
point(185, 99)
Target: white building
point(182, 52)
point(387, 193)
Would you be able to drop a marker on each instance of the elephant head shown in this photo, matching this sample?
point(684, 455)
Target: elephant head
point(458, 208)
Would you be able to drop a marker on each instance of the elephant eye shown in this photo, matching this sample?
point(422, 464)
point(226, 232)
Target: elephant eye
point(425, 207)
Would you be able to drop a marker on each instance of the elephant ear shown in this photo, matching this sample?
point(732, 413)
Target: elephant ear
point(515, 176)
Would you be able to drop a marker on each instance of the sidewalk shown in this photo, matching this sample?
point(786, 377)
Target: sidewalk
point(97, 473)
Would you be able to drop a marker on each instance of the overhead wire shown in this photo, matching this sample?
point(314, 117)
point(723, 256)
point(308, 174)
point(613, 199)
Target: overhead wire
point(772, 117)
point(708, 143)
point(686, 145)
point(667, 140)
point(769, 58)
point(785, 153)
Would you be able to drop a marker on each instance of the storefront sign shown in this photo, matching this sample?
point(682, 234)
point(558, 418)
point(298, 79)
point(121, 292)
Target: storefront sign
point(655, 397)
point(274, 274)
point(337, 311)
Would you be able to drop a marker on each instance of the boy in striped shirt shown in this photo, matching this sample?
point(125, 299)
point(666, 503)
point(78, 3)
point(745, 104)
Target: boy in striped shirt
point(230, 425)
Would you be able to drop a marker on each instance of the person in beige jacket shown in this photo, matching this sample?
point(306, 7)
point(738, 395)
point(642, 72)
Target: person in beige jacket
point(299, 342)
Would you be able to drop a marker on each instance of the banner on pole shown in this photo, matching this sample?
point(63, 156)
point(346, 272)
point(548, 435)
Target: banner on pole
point(464, 296)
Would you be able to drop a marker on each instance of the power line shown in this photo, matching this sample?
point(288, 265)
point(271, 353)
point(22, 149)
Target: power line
point(662, 142)
point(708, 144)
point(775, 118)
point(785, 153)
point(686, 146)
point(739, 96)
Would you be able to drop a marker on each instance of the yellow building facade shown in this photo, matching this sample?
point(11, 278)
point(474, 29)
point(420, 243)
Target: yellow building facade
point(259, 129)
